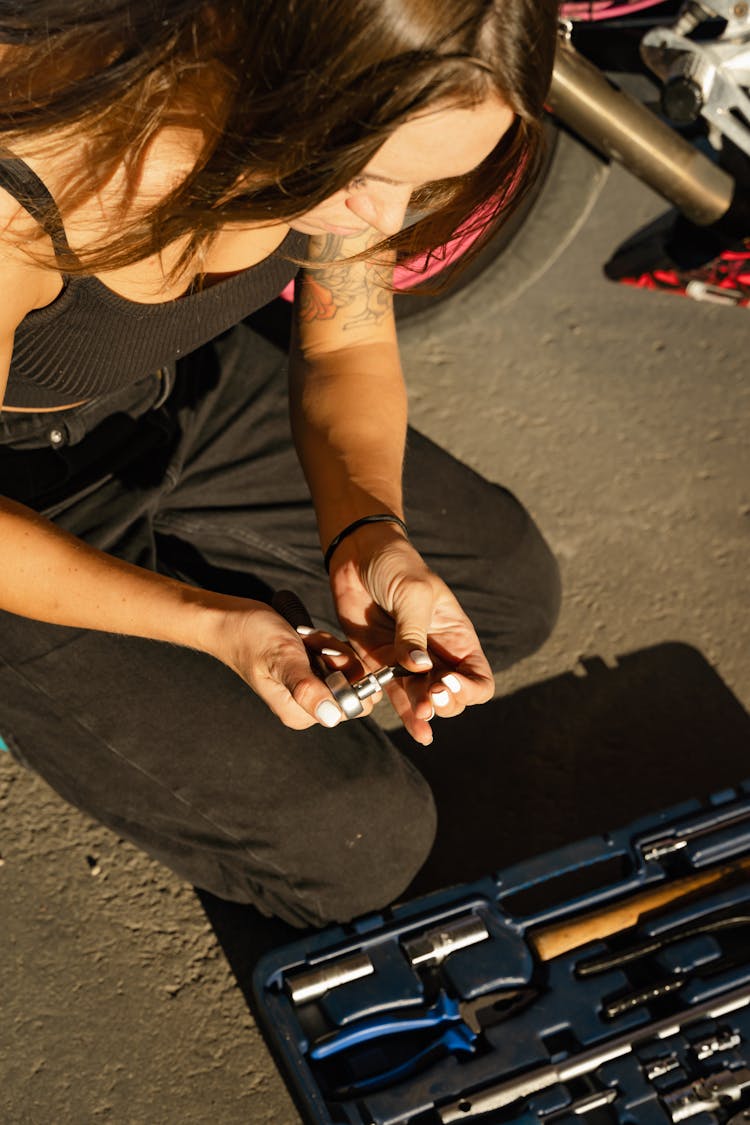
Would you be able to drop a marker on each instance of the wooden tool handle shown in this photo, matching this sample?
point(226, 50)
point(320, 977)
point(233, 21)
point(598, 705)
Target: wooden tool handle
point(564, 936)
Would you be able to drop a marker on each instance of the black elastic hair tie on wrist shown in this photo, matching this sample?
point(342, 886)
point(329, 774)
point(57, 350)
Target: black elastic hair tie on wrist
point(382, 517)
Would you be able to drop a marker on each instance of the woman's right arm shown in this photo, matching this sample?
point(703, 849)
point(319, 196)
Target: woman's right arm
point(49, 575)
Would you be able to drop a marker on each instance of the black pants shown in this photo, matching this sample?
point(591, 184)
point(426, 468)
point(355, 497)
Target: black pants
point(165, 745)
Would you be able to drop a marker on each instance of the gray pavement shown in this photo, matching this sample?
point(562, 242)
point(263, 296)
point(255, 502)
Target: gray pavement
point(620, 418)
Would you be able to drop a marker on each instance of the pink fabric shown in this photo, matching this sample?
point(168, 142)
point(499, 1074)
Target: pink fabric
point(603, 9)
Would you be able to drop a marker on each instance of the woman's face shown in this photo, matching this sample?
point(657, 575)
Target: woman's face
point(440, 145)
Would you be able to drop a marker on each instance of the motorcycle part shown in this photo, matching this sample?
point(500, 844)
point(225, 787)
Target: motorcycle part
point(525, 244)
point(705, 78)
point(622, 129)
point(675, 256)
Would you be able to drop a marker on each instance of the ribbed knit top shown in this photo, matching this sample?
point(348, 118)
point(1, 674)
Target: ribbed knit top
point(90, 341)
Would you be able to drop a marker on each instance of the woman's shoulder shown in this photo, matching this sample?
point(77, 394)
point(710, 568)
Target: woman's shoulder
point(130, 186)
point(22, 249)
point(126, 194)
point(27, 254)
point(29, 185)
point(26, 283)
point(46, 190)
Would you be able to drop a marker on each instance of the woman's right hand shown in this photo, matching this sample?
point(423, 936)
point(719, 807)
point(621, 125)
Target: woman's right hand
point(49, 575)
point(272, 658)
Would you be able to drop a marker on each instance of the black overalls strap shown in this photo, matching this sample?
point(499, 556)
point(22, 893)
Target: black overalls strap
point(20, 181)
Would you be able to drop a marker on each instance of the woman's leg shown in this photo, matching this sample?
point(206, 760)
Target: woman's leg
point(172, 750)
point(485, 545)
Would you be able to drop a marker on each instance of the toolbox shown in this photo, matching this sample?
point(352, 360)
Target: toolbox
point(607, 981)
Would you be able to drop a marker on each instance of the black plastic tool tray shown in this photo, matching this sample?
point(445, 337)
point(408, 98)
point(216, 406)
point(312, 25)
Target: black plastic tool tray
point(566, 1016)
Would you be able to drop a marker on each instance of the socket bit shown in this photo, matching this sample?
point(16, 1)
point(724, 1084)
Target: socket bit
point(310, 984)
point(434, 945)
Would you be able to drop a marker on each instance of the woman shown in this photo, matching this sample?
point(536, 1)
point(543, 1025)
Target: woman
point(166, 168)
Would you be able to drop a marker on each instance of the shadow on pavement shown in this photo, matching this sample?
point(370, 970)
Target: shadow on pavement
point(569, 757)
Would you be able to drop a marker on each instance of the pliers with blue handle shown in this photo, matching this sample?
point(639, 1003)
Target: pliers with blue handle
point(446, 1010)
point(458, 1022)
point(456, 1039)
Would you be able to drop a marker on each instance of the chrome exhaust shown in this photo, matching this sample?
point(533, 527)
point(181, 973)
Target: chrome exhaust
point(622, 129)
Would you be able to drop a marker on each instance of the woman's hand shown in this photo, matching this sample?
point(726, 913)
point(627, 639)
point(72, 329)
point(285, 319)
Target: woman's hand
point(273, 658)
point(395, 610)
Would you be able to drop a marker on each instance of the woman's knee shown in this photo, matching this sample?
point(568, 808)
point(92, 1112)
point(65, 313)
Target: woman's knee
point(373, 836)
point(487, 547)
point(528, 597)
point(349, 850)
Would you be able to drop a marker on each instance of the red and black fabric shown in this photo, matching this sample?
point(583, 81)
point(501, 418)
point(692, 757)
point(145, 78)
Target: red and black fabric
point(675, 256)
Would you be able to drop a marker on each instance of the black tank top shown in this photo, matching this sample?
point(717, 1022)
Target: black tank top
point(90, 341)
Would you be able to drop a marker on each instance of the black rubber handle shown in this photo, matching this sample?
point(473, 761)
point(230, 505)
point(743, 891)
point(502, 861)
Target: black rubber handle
point(287, 605)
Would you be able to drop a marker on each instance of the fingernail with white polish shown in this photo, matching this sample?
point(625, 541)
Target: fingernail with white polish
point(431, 715)
point(305, 630)
point(328, 713)
point(330, 652)
point(420, 658)
point(440, 698)
point(452, 683)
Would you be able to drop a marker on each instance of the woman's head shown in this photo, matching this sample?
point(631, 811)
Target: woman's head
point(293, 98)
point(438, 146)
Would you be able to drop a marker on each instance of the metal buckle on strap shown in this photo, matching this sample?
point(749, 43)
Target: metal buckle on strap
point(167, 377)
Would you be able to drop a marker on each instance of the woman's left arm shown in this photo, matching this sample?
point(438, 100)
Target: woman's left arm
point(349, 410)
point(348, 399)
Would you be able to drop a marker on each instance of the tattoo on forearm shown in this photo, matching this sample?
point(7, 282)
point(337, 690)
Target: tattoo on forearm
point(356, 289)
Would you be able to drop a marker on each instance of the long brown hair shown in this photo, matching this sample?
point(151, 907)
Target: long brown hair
point(292, 97)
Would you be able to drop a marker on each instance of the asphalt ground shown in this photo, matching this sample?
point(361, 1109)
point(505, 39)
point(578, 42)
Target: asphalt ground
point(619, 417)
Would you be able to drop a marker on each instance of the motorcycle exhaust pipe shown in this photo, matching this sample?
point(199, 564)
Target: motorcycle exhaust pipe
point(620, 128)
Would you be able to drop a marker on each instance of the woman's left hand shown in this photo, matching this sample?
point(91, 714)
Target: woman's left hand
point(395, 610)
